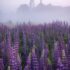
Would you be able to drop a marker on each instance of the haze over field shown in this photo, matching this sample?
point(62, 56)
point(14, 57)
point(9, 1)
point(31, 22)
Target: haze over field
point(34, 10)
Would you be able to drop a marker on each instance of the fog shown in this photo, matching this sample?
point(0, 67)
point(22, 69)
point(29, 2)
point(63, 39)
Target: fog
point(48, 11)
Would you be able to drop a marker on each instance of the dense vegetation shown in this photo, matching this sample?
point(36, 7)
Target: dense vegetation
point(35, 47)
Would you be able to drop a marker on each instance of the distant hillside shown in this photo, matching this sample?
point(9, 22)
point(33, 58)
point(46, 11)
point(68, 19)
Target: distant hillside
point(43, 13)
point(40, 13)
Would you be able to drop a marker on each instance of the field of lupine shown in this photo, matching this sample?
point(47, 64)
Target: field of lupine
point(35, 47)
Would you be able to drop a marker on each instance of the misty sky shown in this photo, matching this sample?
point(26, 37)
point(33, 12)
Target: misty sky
point(17, 3)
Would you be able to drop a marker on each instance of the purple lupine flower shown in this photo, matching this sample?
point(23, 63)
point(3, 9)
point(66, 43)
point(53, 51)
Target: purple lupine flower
point(16, 40)
point(19, 62)
point(5, 59)
point(60, 57)
point(63, 54)
point(16, 47)
point(8, 43)
point(59, 64)
point(1, 64)
point(9, 39)
point(68, 53)
point(64, 60)
point(41, 45)
point(42, 62)
point(28, 63)
point(44, 59)
point(44, 50)
point(12, 55)
point(13, 59)
point(34, 60)
point(55, 55)
point(26, 67)
point(61, 46)
point(29, 59)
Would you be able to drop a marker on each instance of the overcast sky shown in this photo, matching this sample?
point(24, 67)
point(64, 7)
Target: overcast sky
point(17, 3)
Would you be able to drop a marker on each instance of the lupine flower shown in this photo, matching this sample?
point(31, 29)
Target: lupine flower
point(13, 59)
point(63, 55)
point(34, 60)
point(1, 64)
point(26, 67)
point(16, 40)
point(28, 63)
point(12, 55)
point(33, 42)
point(56, 55)
point(59, 64)
point(68, 53)
point(44, 59)
point(5, 59)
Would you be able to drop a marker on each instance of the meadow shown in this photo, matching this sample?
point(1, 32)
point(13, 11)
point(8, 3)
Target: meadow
point(35, 47)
